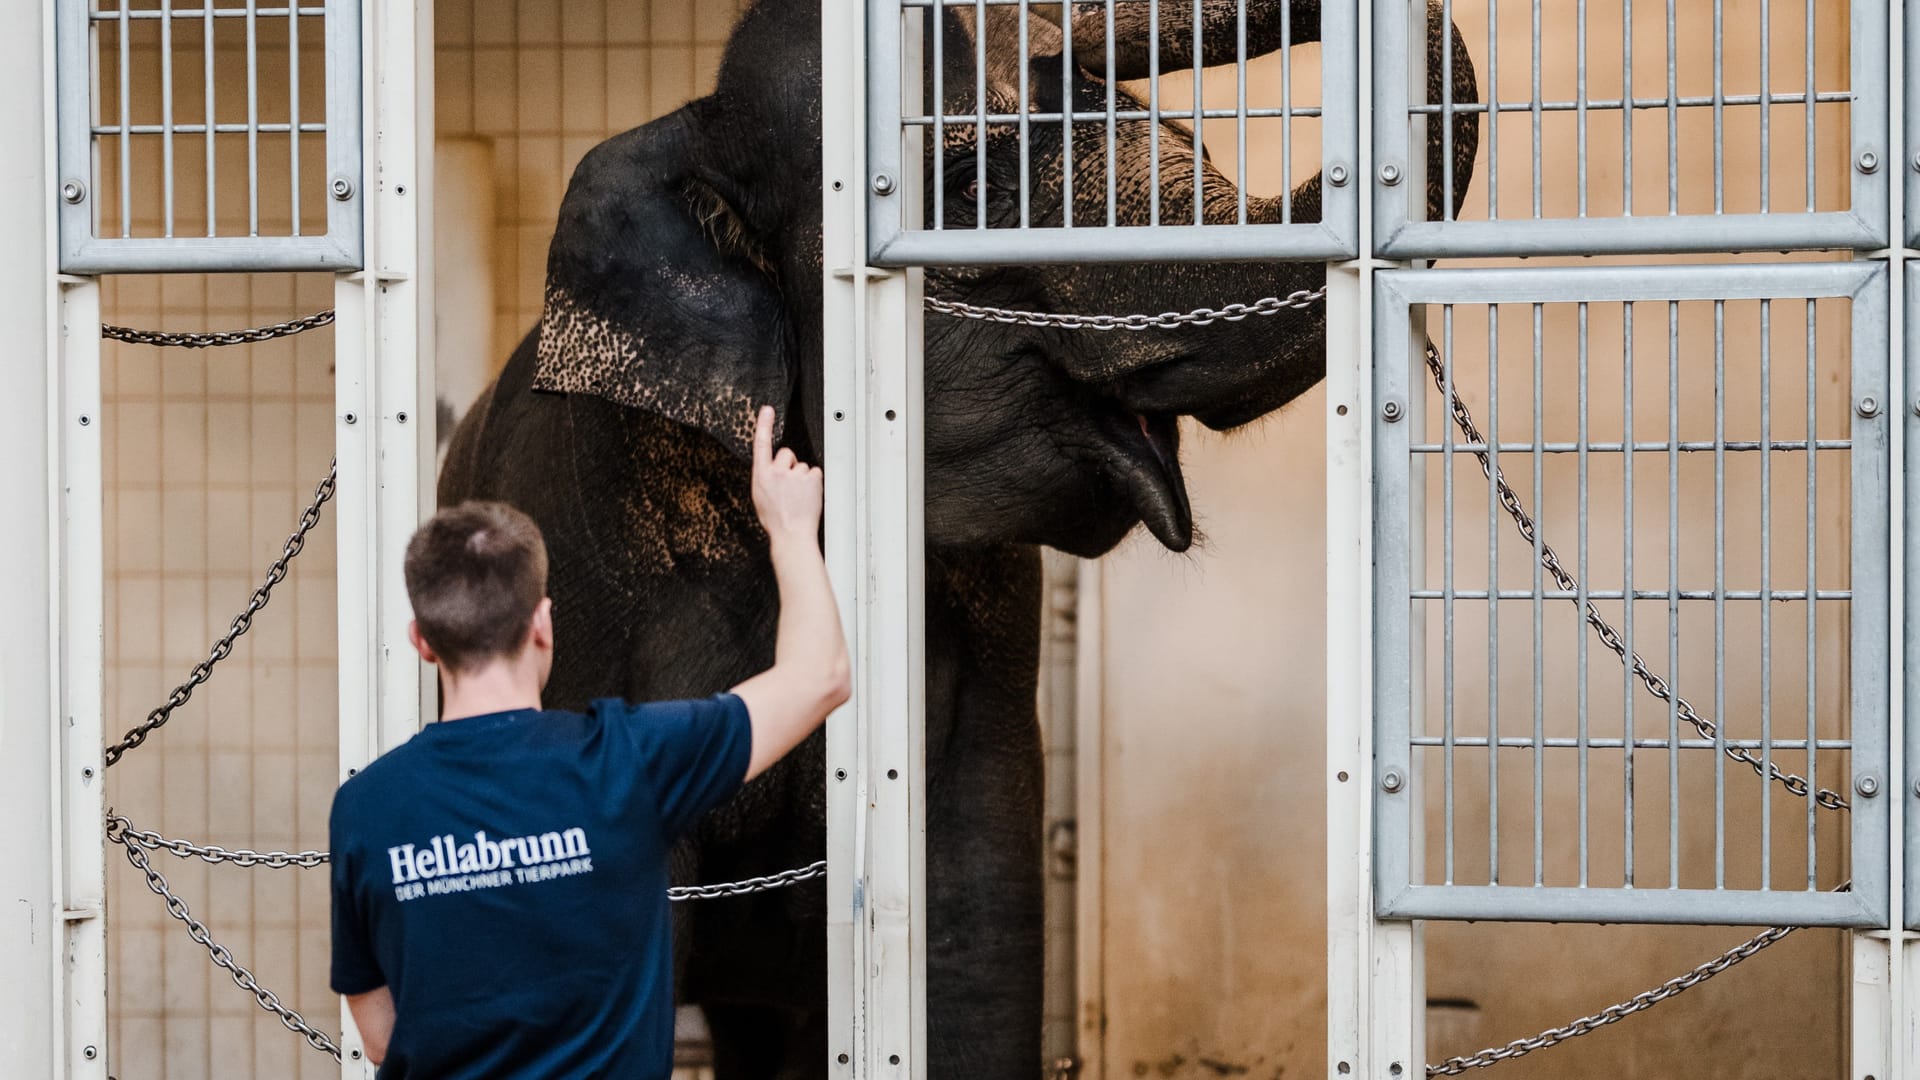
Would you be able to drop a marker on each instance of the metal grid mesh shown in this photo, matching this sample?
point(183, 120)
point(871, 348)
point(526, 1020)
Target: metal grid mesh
point(1694, 459)
point(1098, 133)
point(195, 96)
point(1666, 118)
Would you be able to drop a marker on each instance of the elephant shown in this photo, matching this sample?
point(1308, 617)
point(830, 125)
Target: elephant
point(684, 288)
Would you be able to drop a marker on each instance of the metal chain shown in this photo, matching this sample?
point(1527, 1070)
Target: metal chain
point(241, 623)
point(121, 831)
point(1609, 637)
point(750, 885)
point(220, 955)
point(215, 338)
point(1271, 305)
point(1612, 1013)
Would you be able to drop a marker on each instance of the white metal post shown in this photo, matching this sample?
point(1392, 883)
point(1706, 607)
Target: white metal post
point(1374, 976)
point(82, 578)
point(876, 822)
point(38, 1025)
point(1090, 870)
point(1884, 1039)
point(383, 338)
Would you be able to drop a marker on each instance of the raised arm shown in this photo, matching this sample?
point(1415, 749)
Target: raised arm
point(809, 677)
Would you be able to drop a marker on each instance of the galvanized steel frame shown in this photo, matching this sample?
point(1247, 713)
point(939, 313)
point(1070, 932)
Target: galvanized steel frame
point(894, 75)
point(1400, 234)
point(84, 251)
point(1398, 387)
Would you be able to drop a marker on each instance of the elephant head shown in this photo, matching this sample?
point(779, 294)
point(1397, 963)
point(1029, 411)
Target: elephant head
point(684, 276)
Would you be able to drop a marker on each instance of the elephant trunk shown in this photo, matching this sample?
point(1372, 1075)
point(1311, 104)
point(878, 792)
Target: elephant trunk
point(1269, 27)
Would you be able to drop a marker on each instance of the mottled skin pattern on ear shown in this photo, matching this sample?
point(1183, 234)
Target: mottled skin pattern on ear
point(684, 284)
point(580, 352)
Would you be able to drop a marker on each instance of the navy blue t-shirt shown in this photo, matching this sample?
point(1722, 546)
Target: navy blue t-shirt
point(506, 877)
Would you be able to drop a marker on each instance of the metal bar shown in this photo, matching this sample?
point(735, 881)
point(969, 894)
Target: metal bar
point(1574, 284)
point(1286, 110)
point(1026, 131)
point(1766, 575)
point(1539, 546)
point(1153, 109)
point(1534, 101)
point(1602, 742)
point(1643, 235)
point(1766, 84)
point(1446, 110)
point(208, 12)
point(201, 129)
point(1054, 116)
point(344, 76)
point(1719, 110)
point(253, 122)
point(207, 132)
point(1493, 122)
point(1626, 127)
point(1240, 113)
point(1199, 56)
point(1301, 242)
point(1580, 117)
point(1627, 580)
point(126, 117)
point(1687, 446)
point(1579, 626)
point(1638, 104)
point(938, 107)
point(219, 254)
point(1673, 131)
point(1574, 905)
point(1113, 140)
point(1719, 582)
point(1812, 587)
point(1447, 607)
point(1493, 610)
point(1810, 98)
point(166, 116)
point(1066, 126)
point(1776, 595)
point(1673, 563)
point(293, 117)
point(980, 129)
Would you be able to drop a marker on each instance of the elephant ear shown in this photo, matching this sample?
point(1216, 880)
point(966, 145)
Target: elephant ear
point(655, 297)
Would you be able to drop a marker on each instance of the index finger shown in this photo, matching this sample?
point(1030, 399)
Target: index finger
point(763, 436)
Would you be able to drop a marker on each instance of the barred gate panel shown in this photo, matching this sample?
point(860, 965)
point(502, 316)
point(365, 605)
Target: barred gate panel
point(1066, 115)
point(139, 96)
point(1693, 493)
point(1625, 93)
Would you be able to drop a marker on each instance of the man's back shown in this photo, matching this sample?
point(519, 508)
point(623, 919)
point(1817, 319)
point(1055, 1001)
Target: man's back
point(505, 876)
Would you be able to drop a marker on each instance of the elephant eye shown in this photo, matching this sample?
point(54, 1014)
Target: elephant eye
point(972, 190)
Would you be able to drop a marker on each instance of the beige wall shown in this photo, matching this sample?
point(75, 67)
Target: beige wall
point(1212, 859)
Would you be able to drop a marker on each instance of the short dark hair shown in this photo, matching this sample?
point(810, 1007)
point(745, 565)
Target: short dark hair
point(475, 573)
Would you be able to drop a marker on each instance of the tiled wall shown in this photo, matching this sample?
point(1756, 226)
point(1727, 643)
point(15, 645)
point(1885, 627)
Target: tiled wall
point(545, 80)
point(210, 456)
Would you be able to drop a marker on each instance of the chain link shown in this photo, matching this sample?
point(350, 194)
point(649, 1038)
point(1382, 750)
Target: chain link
point(121, 831)
point(216, 338)
point(222, 958)
point(241, 623)
point(1613, 1013)
point(1271, 305)
point(751, 885)
point(1604, 630)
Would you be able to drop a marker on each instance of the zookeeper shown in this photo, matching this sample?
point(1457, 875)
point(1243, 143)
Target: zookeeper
point(500, 880)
